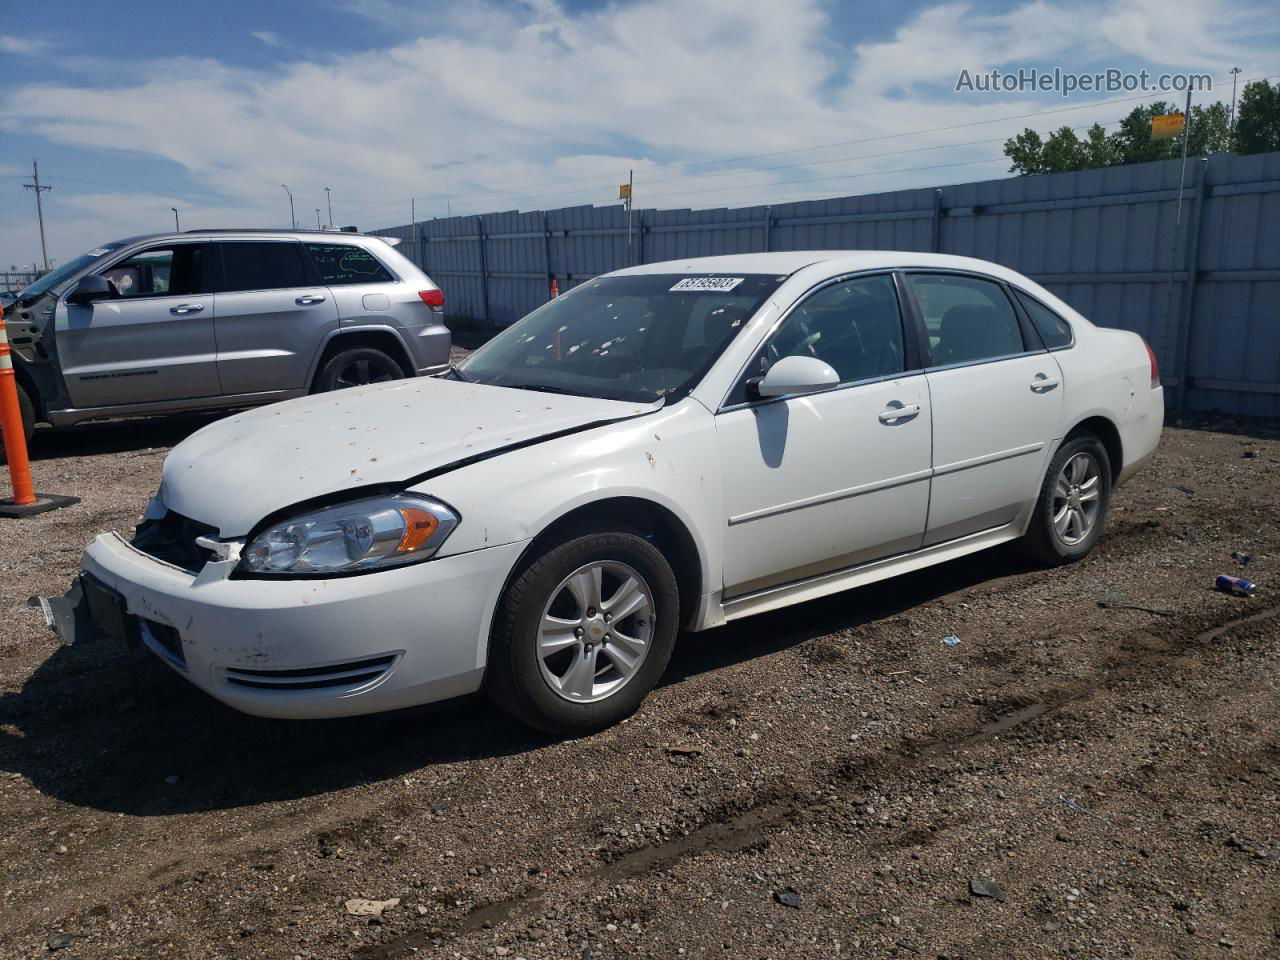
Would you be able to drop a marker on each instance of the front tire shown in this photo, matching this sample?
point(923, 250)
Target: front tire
point(1072, 507)
point(28, 411)
point(583, 633)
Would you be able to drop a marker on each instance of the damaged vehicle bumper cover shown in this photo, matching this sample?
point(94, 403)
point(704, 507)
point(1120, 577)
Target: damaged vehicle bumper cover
point(313, 648)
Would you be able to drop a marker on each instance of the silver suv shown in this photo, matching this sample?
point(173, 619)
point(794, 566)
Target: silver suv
point(220, 318)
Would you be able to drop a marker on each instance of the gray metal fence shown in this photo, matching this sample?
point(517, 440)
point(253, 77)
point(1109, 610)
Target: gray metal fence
point(1201, 284)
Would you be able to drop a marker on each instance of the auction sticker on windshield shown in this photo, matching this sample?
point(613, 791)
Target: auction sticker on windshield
point(708, 283)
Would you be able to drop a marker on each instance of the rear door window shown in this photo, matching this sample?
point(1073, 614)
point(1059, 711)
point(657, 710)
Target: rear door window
point(968, 319)
point(262, 265)
point(341, 264)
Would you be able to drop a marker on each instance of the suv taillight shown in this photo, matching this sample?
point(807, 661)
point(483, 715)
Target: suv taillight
point(1155, 367)
point(432, 298)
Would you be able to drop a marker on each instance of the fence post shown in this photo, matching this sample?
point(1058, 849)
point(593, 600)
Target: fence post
point(642, 231)
point(484, 276)
point(935, 225)
point(546, 250)
point(768, 224)
point(1191, 265)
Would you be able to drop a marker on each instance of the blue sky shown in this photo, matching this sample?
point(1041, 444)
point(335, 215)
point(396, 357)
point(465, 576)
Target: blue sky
point(135, 107)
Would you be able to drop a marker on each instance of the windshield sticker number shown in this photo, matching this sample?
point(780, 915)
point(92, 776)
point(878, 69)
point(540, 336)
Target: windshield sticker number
point(722, 284)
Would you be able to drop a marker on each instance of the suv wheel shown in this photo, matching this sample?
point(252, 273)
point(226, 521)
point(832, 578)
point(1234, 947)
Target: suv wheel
point(28, 420)
point(583, 633)
point(1073, 502)
point(355, 367)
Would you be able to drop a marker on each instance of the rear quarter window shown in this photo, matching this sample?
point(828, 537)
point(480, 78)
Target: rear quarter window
point(1055, 331)
point(341, 264)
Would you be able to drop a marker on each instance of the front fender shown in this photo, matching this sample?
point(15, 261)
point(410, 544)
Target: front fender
point(669, 458)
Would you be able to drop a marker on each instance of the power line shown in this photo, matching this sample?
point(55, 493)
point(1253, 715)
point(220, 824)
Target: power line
point(838, 143)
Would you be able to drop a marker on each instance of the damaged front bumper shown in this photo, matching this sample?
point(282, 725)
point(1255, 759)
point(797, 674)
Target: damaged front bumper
point(297, 648)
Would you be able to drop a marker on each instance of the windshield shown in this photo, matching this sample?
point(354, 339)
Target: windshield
point(634, 338)
point(69, 269)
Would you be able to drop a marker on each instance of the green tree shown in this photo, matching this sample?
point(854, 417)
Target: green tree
point(1258, 119)
point(1131, 143)
point(1026, 152)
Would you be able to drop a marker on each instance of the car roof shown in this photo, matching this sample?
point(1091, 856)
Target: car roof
point(785, 263)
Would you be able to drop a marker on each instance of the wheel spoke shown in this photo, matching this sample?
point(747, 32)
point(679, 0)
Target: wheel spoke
point(556, 634)
point(634, 646)
point(624, 660)
point(1062, 489)
point(585, 587)
point(1062, 520)
point(342, 383)
point(626, 600)
point(580, 678)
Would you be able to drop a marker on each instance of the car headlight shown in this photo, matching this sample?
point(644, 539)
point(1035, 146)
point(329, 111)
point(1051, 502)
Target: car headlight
point(361, 535)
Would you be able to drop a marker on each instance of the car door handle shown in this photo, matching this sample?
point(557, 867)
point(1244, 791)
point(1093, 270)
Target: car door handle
point(1043, 383)
point(187, 308)
point(309, 299)
point(899, 413)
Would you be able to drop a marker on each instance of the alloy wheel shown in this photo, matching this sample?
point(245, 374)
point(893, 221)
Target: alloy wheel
point(1077, 498)
point(595, 631)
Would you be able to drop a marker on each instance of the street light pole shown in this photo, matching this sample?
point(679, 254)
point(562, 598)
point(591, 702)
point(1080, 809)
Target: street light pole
point(317, 218)
point(329, 199)
point(292, 219)
point(176, 227)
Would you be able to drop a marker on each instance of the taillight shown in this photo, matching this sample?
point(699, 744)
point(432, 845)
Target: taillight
point(434, 298)
point(1155, 367)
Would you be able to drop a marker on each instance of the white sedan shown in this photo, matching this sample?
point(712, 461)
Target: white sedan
point(670, 446)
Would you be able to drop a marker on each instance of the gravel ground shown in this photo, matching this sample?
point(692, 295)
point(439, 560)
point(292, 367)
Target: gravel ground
point(1093, 771)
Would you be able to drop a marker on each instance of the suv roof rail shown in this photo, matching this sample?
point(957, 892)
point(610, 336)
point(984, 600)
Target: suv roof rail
point(274, 230)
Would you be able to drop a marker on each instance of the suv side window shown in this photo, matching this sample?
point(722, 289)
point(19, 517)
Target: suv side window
point(854, 326)
point(1055, 331)
point(173, 271)
point(262, 265)
point(344, 263)
point(967, 318)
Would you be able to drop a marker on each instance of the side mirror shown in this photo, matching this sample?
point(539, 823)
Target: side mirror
point(792, 375)
point(91, 288)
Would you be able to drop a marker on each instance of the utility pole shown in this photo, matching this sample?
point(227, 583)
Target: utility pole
point(176, 227)
point(413, 225)
point(631, 180)
point(292, 219)
point(329, 199)
point(1235, 75)
point(36, 186)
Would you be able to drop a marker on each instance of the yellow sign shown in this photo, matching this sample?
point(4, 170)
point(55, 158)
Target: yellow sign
point(624, 191)
point(1167, 126)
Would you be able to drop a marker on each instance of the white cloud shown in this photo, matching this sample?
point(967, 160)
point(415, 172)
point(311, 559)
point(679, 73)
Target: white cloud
point(527, 96)
point(269, 37)
point(23, 46)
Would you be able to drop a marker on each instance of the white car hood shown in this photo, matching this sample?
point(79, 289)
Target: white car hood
point(235, 472)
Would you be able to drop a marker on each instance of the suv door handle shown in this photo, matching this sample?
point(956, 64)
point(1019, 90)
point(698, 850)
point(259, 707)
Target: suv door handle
point(900, 413)
point(308, 299)
point(1043, 383)
point(187, 308)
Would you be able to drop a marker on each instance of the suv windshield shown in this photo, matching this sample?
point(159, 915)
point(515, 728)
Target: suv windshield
point(636, 338)
point(69, 269)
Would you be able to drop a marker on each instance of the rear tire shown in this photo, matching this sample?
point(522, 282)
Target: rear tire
point(28, 411)
point(560, 659)
point(356, 367)
point(1072, 508)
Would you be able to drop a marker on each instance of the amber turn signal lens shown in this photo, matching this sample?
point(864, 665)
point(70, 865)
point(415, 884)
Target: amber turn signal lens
point(419, 525)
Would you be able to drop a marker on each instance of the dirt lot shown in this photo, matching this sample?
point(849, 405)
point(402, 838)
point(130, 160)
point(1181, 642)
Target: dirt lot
point(824, 781)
